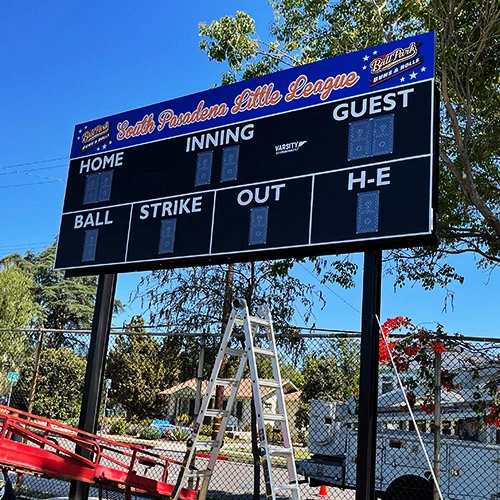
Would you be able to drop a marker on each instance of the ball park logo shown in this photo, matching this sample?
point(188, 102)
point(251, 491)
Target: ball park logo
point(393, 63)
point(97, 135)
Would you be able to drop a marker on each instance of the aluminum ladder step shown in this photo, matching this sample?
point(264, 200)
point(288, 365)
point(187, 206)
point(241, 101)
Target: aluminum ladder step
point(273, 417)
point(287, 487)
point(207, 443)
point(269, 383)
point(227, 382)
point(259, 321)
point(214, 412)
point(265, 352)
point(234, 352)
point(280, 452)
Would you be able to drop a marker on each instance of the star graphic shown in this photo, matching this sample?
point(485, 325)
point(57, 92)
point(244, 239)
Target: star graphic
point(365, 58)
point(423, 68)
point(110, 142)
point(104, 146)
point(78, 138)
point(80, 131)
point(364, 67)
point(85, 127)
point(375, 52)
point(402, 79)
point(413, 75)
point(98, 149)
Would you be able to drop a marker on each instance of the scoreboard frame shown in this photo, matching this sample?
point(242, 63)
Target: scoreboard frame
point(330, 157)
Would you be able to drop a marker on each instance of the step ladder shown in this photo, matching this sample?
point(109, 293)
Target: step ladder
point(279, 482)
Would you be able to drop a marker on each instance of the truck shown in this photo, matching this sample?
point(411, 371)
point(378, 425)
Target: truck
point(469, 468)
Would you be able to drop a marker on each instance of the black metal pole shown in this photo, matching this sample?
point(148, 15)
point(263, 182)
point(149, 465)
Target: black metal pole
point(94, 375)
point(368, 386)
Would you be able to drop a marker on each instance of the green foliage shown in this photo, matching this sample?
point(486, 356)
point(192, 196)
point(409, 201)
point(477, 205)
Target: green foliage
point(334, 375)
point(17, 306)
point(177, 434)
point(468, 57)
point(59, 385)
point(137, 369)
point(273, 434)
point(118, 426)
point(73, 422)
point(205, 430)
point(192, 300)
point(302, 437)
point(59, 303)
point(149, 433)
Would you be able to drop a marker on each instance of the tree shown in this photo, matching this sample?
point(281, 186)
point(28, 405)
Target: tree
point(137, 371)
point(59, 384)
point(468, 57)
point(63, 303)
point(17, 308)
point(333, 375)
point(17, 305)
point(192, 300)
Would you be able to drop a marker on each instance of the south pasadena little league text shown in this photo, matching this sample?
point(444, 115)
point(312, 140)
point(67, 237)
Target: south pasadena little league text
point(287, 90)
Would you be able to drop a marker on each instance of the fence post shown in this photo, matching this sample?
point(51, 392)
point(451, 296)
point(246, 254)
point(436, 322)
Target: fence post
point(36, 369)
point(437, 421)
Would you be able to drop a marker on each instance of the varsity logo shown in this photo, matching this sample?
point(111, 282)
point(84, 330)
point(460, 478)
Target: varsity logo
point(289, 147)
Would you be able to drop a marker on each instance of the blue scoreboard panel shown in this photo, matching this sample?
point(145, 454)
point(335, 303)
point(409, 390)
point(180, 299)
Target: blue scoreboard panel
point(335, 156)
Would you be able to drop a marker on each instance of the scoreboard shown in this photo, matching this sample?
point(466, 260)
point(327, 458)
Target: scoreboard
point(334, 156)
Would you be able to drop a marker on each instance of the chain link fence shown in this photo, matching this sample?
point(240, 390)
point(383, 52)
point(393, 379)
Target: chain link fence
point(154, 383)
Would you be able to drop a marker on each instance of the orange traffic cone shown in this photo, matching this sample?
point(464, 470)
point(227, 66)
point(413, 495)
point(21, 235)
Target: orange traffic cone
point(322, 491)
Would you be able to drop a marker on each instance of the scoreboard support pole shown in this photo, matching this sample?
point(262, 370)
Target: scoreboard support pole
point(94, 374)
point(368, 387)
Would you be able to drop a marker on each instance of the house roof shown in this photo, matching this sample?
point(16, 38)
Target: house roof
point(244, 392)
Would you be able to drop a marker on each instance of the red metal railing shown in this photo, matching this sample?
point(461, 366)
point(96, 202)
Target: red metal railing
point(38, 445)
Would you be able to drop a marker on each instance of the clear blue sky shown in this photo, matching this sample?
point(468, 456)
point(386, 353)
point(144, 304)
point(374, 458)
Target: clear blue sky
point(64, 63)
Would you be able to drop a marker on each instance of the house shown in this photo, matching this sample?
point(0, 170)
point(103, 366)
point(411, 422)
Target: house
point(180, 400)
point(474, 373)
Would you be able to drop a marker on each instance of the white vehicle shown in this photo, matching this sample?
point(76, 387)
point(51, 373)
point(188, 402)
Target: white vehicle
point(469, 469)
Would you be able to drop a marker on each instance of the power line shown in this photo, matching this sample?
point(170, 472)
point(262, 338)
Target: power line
point(330, 289)
point(24, 245)
point(61, 165)
point(30, 174)
point(34, 162)
point(29, 184)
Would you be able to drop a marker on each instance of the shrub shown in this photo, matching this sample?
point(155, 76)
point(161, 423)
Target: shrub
point(273, 434)
point(177, 434)
point(134, 428)
point(149, 433)
point(205, 430)
point(73, 422)
point(118, 426)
